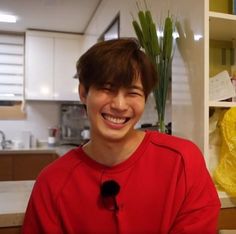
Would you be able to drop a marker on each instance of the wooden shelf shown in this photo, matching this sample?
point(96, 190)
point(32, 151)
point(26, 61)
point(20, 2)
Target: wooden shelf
point(226, 200)
point(220, 15)
point(222, 26)
point(222, 104)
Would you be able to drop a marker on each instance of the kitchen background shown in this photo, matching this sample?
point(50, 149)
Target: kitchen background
point(186, 109)
point(43, 114)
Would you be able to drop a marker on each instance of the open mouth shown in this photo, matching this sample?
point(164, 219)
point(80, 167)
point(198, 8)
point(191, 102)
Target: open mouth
point(115, 120)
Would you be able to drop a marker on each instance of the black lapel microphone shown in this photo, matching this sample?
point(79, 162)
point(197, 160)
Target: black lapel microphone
point(109, 190)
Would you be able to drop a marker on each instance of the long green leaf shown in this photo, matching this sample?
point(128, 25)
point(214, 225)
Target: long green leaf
point(168, 37)
point(138, 32)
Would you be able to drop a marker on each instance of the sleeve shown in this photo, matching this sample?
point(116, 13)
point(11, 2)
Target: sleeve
point(41, 214)
point(200, 208)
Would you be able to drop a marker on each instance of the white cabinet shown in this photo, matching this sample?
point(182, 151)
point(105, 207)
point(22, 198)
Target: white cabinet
point(50, 66)
point(39, 67)
point(66, 56)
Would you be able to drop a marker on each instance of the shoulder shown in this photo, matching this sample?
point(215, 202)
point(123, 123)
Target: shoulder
point(174, 143)
point(54, 176)
point(186, 150)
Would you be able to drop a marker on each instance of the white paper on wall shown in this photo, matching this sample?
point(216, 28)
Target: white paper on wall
point(221, 87)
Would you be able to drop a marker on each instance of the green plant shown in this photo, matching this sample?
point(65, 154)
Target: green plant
point(160, 51)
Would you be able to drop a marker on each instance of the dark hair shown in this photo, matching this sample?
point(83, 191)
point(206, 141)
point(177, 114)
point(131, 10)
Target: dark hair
point(117, 62)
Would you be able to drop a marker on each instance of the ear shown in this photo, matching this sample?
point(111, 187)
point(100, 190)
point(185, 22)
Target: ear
point(82, 93)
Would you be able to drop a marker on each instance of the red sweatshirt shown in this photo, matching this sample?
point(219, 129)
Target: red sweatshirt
point(164, 188)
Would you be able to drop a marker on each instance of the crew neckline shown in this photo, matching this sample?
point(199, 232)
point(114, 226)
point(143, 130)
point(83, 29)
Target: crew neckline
point(120, 166)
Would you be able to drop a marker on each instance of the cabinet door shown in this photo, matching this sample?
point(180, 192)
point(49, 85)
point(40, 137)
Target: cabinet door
point(10, 230)
point(66, 56)
point(39, 67)
point(28, 166)
point(5, 167)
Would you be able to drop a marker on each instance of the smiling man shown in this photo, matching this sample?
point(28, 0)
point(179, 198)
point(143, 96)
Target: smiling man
point(123, 180)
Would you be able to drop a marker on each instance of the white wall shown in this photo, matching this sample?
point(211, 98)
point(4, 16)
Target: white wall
point(188, 72)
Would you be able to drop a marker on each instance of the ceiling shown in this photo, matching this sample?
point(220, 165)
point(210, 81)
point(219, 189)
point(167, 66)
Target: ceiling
point(54, 15)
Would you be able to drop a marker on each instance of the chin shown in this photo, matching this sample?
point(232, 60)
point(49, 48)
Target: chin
point(117, 135)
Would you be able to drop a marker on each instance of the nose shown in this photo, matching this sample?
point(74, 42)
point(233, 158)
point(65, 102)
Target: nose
point(119, 101)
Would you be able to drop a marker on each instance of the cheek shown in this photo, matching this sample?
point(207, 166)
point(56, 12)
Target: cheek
point(94, 103)
point(92, 108)
point(138, 106)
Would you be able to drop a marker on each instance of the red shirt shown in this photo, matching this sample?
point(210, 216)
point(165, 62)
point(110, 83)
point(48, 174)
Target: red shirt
point(164, 188)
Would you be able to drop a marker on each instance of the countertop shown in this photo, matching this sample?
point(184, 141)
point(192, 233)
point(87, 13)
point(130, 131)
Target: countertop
point(226, 200)
point(59, 150)
point(14, 196)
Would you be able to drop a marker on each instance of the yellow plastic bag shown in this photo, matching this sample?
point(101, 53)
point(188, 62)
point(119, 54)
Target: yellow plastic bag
point(225, 173)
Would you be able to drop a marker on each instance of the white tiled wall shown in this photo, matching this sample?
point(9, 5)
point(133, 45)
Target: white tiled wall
point(40, 116)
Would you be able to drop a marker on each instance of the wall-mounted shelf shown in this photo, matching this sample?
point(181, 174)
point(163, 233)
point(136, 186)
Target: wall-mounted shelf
point(222, 26)
point(222, 104)
point(219, 34)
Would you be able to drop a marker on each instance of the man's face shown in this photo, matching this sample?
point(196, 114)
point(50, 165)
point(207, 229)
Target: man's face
point(113, 112)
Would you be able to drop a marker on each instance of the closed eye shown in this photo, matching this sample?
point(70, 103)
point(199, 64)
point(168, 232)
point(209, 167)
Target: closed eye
point(136, 93)
point(136, 90)
point(107, 87)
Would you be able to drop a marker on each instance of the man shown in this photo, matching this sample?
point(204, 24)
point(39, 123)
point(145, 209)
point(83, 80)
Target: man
point(123, 180)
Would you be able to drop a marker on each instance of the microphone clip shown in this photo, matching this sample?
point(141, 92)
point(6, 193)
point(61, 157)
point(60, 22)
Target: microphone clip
point(108, 191)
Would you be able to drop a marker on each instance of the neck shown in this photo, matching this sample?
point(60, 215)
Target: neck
point(113, 153)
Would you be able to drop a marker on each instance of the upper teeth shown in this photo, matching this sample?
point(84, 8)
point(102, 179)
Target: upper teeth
point(117, 120)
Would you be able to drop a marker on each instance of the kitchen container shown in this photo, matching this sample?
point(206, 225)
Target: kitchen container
point(73, 121)
point(25, 139)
